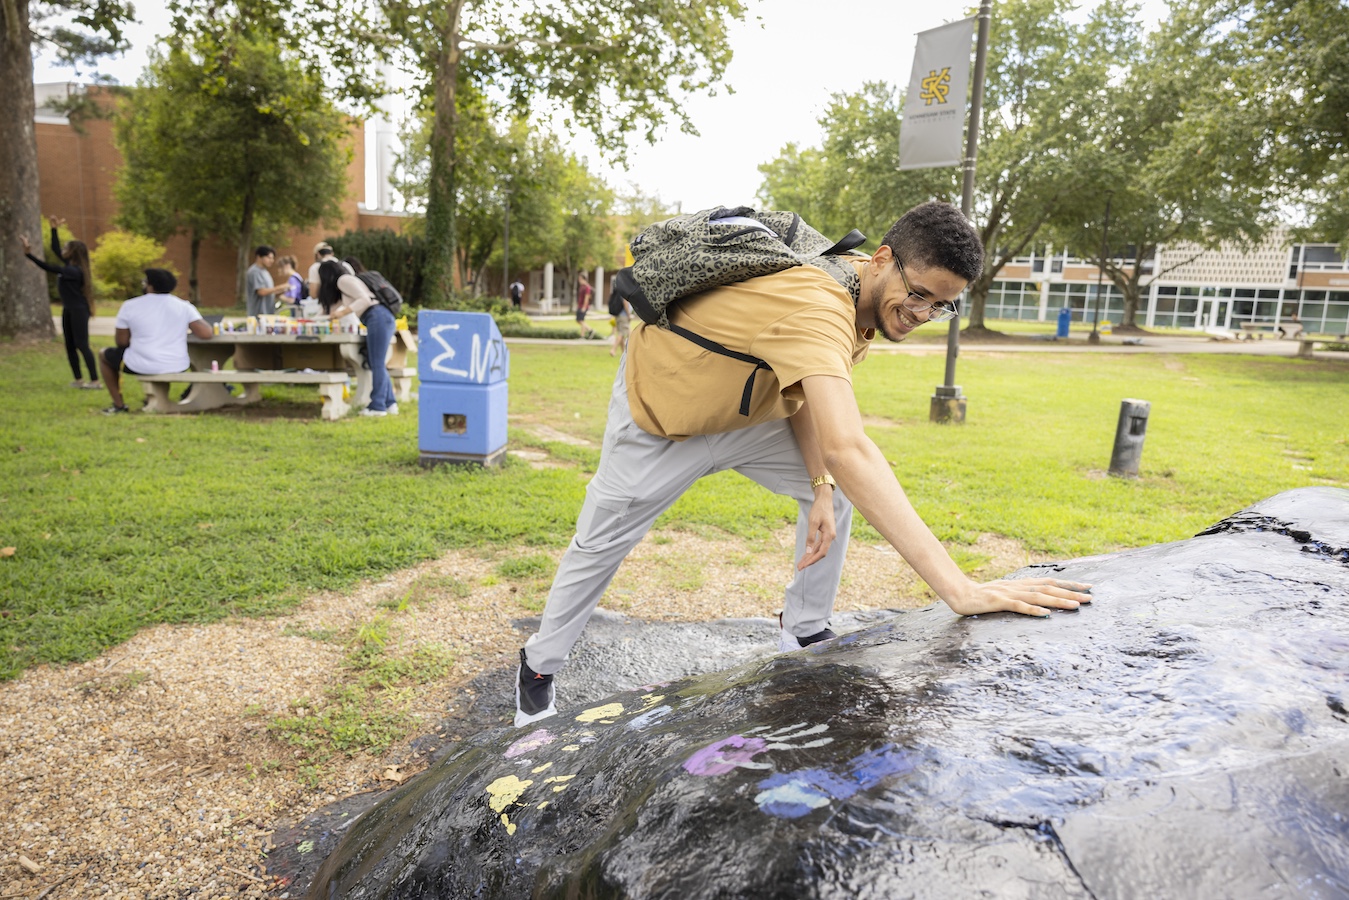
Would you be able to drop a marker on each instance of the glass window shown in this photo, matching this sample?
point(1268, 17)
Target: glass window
point(1323, 254)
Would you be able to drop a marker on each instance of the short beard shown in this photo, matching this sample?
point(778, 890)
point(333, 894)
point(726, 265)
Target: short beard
point(877, 295)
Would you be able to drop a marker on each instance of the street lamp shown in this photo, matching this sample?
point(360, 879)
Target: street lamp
point(1095, 336)
point(506, 247)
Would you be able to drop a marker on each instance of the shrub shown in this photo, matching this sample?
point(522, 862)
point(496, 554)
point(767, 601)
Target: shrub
point(119, 263)
point(398, 257)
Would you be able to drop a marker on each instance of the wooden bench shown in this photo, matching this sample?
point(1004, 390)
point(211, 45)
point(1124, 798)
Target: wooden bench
point(209, 391)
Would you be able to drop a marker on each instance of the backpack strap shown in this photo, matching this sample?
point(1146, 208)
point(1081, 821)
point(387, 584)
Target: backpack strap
point(708, 344)
point(850, 241)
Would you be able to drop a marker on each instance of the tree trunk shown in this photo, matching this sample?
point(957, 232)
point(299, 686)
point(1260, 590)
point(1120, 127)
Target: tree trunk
point(245, 247)
point(440, 199)
point(977, 300)
point(25, 311)
point(193, 287)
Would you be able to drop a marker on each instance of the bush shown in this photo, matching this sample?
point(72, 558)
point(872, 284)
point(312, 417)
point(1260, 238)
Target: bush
point(119, 263)
point(398, 257)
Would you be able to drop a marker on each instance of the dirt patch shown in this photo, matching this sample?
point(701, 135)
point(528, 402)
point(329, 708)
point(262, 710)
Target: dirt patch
point(153, 772)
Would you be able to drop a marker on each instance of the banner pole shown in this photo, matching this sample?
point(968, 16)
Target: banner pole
point(947, 403)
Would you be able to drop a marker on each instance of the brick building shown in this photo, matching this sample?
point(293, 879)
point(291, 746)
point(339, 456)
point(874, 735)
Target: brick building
point(76, 169)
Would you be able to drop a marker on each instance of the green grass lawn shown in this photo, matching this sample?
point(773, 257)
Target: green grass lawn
point(122, 522)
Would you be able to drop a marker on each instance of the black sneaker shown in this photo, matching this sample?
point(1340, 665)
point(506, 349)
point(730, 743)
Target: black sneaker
point(114, 410)
point(533, 694)
point(787, 642)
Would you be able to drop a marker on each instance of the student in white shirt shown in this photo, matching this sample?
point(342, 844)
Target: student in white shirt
point(151, 335)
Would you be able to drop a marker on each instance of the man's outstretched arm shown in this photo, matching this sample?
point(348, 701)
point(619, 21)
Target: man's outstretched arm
point(865, 477)
point(822, 528)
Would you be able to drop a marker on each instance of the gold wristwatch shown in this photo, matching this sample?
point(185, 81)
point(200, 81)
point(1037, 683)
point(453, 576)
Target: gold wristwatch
point(818, 480)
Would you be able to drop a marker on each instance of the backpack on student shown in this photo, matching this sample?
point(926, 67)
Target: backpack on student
point(693, 253)
point(384, 292)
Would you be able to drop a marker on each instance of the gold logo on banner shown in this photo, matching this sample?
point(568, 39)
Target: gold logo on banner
point(936, 86)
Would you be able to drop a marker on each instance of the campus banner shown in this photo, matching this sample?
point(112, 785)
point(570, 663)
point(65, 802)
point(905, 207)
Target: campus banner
point(933, 131)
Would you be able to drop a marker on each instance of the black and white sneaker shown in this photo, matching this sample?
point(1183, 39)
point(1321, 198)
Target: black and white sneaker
point(533, 694)
point(787, 642)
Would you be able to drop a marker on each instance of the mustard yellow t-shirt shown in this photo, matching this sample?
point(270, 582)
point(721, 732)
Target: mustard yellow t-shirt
point(801, 322)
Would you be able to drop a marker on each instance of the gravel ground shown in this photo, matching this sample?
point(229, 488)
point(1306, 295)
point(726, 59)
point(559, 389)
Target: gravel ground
point(151, 773)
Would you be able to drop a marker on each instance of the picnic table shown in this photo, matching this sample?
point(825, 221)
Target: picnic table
point(324, 360)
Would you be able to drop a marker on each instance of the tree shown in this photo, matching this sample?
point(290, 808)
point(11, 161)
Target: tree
point(162, 188)
point(610, 65)
point(852, 181)
point(271, 143)
point(1044, 76)
point(1174, 175)
point(558, 209)
point(1284, 77)
point(24, 312)
point(1044, 82)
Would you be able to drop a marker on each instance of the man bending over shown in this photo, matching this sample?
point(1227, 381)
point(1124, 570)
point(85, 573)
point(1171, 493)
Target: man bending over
point(674, 418)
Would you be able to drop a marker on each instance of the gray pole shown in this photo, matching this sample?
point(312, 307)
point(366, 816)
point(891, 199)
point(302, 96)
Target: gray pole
point(1095, 336)
point(506, 250)
point(947, 403)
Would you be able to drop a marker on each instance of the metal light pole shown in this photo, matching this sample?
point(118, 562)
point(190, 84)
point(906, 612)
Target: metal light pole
point(1095, 336)
point(506, 249)
point(947, 403)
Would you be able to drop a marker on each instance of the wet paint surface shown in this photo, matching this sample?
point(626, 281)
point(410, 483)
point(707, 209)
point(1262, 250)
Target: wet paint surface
point(1184, 735)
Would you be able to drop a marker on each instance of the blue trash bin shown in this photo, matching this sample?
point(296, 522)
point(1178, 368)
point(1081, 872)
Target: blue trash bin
point(463, 364)
point(1065, 316)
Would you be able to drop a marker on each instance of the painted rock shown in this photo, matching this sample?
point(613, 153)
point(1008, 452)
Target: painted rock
point(1185, 735)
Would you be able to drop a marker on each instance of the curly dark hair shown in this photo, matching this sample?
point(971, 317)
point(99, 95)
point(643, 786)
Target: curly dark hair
point(937, 234)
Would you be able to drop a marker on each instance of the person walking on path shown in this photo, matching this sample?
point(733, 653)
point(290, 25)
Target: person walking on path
point(584, 293)
point(260, 291)
point(75, 287)
point(151, 335)
point(674, 417)
point(517, 293)
point(342, 293)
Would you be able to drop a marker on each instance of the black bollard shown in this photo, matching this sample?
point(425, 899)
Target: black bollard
point(1129, 434)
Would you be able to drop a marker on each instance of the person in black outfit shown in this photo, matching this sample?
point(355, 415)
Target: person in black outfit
point(75, 285)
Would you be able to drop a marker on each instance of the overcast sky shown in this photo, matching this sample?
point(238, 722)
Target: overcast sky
point(789, 57)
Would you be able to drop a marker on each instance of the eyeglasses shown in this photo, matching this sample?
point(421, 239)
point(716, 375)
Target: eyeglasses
point(937, 311)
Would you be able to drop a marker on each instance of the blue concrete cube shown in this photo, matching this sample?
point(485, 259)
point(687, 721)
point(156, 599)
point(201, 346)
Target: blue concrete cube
point(461, 422)
point(460, 348)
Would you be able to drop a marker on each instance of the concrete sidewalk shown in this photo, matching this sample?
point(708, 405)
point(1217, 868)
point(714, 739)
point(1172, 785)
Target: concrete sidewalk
point(1199, 343)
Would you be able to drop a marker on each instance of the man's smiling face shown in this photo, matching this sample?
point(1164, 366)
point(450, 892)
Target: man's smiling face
point(897, 300)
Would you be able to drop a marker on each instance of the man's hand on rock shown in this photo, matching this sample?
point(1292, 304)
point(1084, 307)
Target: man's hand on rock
point(1027, 596)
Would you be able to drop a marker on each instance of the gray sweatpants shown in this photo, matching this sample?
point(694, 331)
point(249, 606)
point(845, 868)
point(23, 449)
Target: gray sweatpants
point(639, 477)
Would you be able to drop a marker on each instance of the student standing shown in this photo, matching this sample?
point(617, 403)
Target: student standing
point(75, 286)
point(258, 283)
point(341, 293)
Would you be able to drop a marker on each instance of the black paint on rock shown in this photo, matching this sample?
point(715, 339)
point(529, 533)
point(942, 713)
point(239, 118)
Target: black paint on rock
point(1182, 736)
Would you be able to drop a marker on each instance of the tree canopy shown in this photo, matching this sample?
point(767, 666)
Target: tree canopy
point(611, 67)
point(276, 146)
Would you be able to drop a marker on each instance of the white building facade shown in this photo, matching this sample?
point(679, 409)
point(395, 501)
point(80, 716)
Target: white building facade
point(1277, 282)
